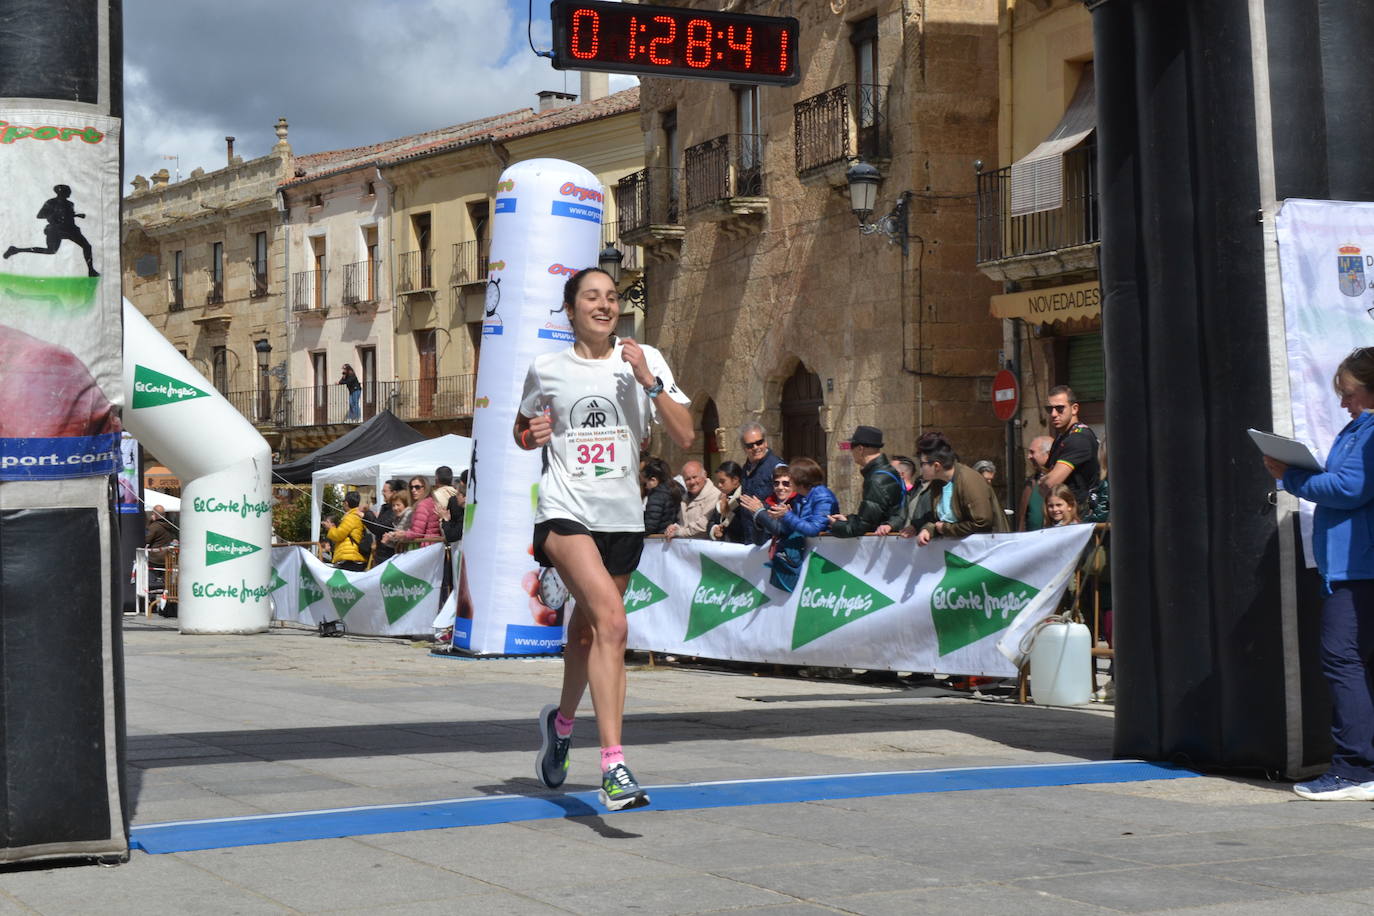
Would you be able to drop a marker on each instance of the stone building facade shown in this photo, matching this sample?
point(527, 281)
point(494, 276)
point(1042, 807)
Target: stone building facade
point(202, 259)
point(768, 301)
point(1037, 210)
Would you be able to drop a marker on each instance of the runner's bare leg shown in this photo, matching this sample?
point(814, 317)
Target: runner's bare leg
point(595, 656)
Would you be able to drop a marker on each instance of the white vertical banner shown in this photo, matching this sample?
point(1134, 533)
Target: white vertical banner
point(546, 226)
point(1326, 255)
point(60, 390)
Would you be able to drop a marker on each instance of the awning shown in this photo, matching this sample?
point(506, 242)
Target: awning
point(1057, 303)
point(1037, 178)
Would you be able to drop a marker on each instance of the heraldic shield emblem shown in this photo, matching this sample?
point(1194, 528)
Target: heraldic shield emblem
point(1350, 266)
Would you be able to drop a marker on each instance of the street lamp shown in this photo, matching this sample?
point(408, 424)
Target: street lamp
point(863, 181)
point(635, 294)
point(264, 350)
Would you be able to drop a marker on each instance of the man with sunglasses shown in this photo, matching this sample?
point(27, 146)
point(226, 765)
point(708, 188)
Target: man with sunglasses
point(1073, 456)
point(759, 462)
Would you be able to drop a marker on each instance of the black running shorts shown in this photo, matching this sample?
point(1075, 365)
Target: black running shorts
point(620, 550)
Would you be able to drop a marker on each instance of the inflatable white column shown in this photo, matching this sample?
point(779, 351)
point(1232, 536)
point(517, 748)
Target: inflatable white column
point(226, 507)
point(546, 226)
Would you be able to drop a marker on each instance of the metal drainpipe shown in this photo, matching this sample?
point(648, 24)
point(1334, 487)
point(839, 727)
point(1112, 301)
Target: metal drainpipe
point(286, 307)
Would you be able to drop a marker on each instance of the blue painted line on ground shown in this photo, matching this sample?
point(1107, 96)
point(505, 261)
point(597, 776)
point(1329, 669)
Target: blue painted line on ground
point(256, 830)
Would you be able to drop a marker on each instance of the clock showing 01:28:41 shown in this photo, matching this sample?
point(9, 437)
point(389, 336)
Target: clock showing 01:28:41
point(674, 41)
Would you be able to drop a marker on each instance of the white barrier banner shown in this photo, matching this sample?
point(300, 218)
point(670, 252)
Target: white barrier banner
point(1326, 255)
point(398, 598)
point(953, 607)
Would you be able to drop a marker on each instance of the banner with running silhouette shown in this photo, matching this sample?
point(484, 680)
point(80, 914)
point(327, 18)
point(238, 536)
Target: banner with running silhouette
point(60, 391)
point(954, 607)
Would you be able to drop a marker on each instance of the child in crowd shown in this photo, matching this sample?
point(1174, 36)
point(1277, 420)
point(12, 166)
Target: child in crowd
point(727, 523)
point(1061, 507)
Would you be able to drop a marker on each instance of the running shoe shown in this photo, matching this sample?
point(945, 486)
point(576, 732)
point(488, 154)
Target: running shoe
point(1330, 787)
point(620, 791)
point(551, 766)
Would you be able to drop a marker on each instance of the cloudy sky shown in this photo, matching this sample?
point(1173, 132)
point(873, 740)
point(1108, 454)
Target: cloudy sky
point(342, 72)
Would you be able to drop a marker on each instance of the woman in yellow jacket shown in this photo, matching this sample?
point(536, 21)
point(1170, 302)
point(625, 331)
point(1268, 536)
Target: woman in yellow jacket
point(347, 535)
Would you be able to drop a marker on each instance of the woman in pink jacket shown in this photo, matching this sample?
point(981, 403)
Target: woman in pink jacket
point(424, 524)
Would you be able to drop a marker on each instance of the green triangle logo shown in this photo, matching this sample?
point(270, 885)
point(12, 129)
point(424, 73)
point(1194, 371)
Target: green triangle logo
point(602, 470)
point(720, 597)
point(401, 592)
point(641, 592)
point(342, 593)
point(277, 581)
point(309, 590)
point(220, 548)
point(972, 601)
point(153, 389)
point(831, 598)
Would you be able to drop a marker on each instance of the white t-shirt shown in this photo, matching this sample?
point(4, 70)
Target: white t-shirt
point(600, 417)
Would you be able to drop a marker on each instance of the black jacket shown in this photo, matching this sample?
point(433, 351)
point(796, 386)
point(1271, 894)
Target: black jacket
point(882, 501)
point(660, 510)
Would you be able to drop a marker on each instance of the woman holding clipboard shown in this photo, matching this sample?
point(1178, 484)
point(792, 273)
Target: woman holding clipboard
point(1343, 541)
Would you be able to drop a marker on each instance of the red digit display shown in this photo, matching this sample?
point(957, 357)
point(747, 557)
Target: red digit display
point(674, 42)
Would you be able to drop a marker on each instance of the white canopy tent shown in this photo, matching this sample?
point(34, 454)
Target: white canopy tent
point(404, 462)
point(158, 498)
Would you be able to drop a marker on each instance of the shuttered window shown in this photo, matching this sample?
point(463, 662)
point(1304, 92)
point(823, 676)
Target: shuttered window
point(1087, 367)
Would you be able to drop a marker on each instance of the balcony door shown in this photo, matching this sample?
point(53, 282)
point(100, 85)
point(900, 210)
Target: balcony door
point(710, 447)
point(367, 374)
point(319, 365)
point(426, 348)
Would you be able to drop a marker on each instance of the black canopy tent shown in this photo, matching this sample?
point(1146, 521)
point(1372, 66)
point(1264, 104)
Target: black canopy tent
point(380, 434)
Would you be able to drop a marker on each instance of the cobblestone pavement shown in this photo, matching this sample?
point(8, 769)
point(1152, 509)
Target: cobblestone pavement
point(285, 721)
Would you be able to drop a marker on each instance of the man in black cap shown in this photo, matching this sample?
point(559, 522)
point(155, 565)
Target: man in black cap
point(884, 494)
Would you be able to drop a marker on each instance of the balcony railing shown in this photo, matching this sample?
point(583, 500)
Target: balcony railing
point(469, 262)
point(1075, 223)
point(840, 123)
point(415, 271)
point(259, 279)
point(360, 283)
point(216, 294)
point(647, 198)
point(724, 167)
point(302, 298)
point(444, 398)
point(176, 296)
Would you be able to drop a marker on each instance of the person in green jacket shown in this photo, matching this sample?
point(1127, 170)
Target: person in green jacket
point(884, 494)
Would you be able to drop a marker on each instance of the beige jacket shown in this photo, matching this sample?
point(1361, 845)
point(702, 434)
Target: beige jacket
point(692, 518)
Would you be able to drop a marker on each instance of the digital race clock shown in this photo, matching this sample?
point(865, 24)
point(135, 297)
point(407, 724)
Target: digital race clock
point(674, 41)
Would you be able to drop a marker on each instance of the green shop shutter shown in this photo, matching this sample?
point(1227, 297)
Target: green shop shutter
point(1087, 368)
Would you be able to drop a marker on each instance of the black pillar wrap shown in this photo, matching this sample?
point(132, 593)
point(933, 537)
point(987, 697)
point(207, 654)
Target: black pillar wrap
point(1195, 553)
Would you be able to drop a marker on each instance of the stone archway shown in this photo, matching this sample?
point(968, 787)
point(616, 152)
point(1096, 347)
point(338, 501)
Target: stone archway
point(802, 433)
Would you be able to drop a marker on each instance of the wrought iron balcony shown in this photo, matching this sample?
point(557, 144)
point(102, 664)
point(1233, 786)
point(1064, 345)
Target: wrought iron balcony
point(259, 279)
point(444, 398)
point(216, 294)
point(648, 206)
point(415, 271)
point(470, 261)
point(1064, 235)
point(843, 123)
point(723, 170)
point(360, 283)
point(176, 296)
point(308, 291)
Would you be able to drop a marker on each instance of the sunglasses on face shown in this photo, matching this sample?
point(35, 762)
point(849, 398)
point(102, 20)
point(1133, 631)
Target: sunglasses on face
point(1056, 408)
point(781, 483)
point(756, 444)
point(416, 486)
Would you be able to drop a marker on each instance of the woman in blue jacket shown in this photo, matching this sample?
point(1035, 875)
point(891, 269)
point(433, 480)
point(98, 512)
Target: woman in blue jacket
point(810, 514)
point(1343, 541)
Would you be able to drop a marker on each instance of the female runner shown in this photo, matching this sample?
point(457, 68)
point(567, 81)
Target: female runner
point(589, 408)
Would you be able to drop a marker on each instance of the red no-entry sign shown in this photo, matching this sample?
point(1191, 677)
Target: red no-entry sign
point(1004, 395)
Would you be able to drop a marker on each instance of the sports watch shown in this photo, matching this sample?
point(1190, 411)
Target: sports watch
point(656, 388)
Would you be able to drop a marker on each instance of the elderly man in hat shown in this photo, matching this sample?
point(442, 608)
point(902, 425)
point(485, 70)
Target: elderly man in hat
point(884, 494)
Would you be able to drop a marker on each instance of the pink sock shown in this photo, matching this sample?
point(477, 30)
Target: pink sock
point(610, 756)
point(562, 726)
